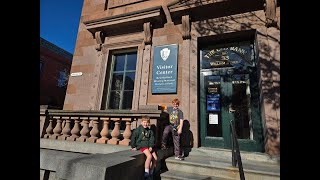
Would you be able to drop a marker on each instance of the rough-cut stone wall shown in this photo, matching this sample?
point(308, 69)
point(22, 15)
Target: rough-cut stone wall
point(85, 92)
point(269, 58)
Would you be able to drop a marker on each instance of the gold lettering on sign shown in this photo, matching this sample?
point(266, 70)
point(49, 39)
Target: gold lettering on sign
point(217, 63)
point(224, 53)
point(224, 56)
point(239, 50)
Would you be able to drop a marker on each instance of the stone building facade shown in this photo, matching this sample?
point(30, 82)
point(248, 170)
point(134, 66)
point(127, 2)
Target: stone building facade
point(225, 65)
point(55, 64)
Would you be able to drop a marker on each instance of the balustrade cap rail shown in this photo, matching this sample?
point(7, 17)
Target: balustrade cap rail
point(105, 113)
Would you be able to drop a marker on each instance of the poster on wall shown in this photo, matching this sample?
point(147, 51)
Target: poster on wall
point(213, 102)
point(164, 70)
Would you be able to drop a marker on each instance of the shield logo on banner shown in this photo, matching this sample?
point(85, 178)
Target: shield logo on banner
point(165, 52)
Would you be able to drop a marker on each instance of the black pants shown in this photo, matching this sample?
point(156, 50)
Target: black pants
point(176, 139)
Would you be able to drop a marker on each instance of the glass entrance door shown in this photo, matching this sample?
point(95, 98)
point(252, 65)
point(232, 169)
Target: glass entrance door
point(229, 91)
point(225, 98)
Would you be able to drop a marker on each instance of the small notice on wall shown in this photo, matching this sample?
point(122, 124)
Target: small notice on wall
point(75, 74)
point(213, 118)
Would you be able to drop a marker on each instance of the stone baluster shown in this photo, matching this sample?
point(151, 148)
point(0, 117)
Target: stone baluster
point(115, 133)
point(94, 131)
point(57, 130)
point(66, 130)
point(63, 123)
point(75, 130)
point(126, 134)
point(49, 129)
point(84, 131)
point(104, 132)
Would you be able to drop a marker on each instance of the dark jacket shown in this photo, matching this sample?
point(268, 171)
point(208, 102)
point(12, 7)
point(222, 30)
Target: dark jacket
point(142, 137)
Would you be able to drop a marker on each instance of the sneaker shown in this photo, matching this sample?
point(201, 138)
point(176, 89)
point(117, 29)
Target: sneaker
point(179, 158)
point(146, 176)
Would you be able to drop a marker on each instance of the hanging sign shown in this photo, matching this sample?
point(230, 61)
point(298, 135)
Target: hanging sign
point(229, 56)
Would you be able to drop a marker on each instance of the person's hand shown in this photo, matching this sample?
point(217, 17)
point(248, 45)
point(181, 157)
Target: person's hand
point(134, 149)
point(179, 131)
point(150, 149)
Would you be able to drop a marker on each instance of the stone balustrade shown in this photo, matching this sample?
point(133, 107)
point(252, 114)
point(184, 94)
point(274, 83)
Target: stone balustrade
point(95, 126)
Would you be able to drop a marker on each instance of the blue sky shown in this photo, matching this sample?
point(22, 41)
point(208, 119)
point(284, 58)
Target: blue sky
point(59, 22)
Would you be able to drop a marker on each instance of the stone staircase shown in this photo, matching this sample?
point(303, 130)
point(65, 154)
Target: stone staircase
point(215, 164)
point(61, 159)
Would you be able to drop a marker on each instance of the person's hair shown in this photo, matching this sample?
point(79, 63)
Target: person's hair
point(145, 118)
point(176, 101)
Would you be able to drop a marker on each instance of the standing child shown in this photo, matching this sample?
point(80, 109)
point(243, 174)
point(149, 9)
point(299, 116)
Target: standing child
point(174, 128)
point(143, 139)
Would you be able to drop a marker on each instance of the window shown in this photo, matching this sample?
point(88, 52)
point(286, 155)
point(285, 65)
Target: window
point(62, 80)
point(121, 81)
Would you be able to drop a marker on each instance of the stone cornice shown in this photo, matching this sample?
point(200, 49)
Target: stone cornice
point(178, 6)
point(129, 43)
point(117, 3)
point(98, 24)
point(151, 14)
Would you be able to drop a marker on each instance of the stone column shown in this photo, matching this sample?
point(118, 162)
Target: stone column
point(145, 64)
point(193, 112)
point(185, 91)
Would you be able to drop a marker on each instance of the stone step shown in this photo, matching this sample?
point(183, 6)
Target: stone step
point(215, 167)
point(179, 175)
point(226, 154)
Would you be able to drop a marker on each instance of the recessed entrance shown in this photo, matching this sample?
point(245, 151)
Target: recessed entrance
point(229, 91)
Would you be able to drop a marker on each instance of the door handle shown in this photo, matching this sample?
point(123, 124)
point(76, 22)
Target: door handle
point(230, 109)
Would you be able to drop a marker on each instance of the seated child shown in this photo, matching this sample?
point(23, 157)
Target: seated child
point(143, 139)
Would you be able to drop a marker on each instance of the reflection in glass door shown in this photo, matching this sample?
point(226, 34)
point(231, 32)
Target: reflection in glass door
point(240, 106)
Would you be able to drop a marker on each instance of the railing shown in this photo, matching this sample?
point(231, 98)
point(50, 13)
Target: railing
point(236, 157)
point(74, 125)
